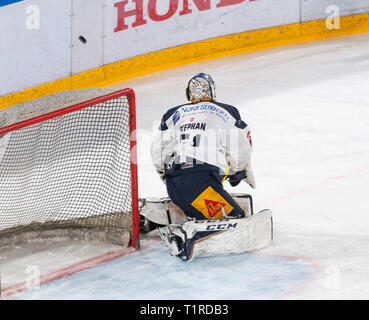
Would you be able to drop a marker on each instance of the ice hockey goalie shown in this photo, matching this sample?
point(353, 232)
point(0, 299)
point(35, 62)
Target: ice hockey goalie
point(200, 145)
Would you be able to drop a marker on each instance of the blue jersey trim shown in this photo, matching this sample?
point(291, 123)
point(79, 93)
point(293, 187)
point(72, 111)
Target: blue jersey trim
point(167, 115)
point(234, 113)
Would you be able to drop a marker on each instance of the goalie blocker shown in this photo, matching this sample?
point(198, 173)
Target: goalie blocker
point(188, 239)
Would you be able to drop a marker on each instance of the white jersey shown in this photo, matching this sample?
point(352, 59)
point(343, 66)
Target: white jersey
point(208, 131)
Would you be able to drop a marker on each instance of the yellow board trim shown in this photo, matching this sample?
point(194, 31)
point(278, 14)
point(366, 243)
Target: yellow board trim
point(191, 53)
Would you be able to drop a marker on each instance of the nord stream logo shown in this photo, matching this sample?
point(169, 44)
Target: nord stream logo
point(6, 2)
point(207, 108)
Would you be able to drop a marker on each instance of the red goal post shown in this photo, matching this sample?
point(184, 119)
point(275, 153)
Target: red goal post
point(68, 166)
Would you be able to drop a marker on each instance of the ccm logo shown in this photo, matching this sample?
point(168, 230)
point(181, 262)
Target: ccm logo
point(223, 226)
point(139, 11)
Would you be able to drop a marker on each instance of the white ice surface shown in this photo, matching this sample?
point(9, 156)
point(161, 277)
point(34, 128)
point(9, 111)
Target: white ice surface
point(308, 108)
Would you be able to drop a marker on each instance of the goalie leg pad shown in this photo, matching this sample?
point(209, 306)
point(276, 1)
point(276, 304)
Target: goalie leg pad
point(161, 211)
point(155, 212)
point(214, 237)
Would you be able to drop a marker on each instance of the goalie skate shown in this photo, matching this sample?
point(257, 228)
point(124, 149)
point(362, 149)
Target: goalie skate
point(171, 239)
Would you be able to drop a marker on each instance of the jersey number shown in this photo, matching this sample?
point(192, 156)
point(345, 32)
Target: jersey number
point(195, 141)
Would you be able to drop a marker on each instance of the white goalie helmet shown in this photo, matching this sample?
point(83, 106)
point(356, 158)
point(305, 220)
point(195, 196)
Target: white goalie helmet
point(200, 87)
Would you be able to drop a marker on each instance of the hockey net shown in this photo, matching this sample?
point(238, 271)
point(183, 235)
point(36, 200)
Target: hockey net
point(68, 168)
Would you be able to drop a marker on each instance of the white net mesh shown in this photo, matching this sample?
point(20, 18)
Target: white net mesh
point(71, 171)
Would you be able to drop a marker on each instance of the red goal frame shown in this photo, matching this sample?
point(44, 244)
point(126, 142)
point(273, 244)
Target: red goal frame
point(134, 241)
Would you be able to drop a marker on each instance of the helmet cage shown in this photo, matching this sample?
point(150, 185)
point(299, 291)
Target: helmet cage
point(201, 86)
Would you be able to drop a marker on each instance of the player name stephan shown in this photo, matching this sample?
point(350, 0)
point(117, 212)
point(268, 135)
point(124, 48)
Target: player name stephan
point(168, 311)
point(193, 126)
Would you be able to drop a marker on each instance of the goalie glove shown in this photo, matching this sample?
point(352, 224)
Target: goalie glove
point(236, 178)
point(246, 175)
